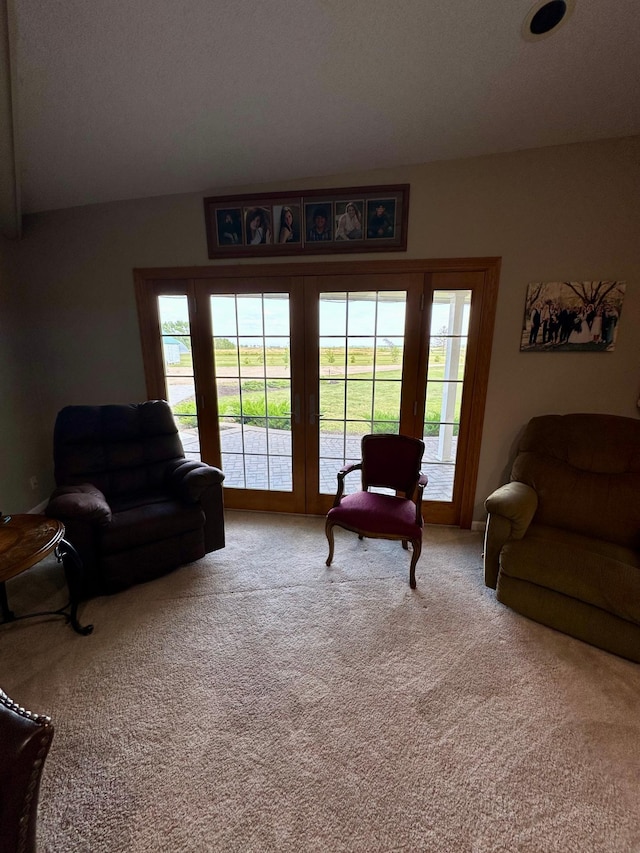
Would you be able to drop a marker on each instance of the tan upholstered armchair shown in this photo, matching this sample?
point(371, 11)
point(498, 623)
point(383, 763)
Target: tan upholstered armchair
point(562, 543)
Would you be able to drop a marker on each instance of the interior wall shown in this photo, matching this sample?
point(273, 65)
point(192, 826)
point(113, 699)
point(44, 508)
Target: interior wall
point(20, 455)
point(9, 192)
point(562, 213)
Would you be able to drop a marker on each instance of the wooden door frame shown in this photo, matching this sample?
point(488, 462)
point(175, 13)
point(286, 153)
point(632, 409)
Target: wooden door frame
point(210, 437)
point(409, 282)
point(151, 281)
point(476, 375)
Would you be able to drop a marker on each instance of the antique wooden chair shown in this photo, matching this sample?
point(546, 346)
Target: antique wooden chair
point(390, 462)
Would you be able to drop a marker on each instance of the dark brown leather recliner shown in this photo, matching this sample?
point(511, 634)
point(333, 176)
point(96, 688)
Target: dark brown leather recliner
point(133, 506)
point(25, 739)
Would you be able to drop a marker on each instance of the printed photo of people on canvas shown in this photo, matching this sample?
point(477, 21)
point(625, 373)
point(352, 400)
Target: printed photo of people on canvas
point(572, 316)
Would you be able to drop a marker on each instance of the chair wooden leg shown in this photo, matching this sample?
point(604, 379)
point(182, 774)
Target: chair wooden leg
point(417, 548)
point(328, 529)
point(360, 536)
point(405, 544)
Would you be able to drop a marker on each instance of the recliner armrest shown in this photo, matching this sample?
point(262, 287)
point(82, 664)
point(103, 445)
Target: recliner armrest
point(511, 509)
point(82, 502)
point(517, 502)
point(189, 479)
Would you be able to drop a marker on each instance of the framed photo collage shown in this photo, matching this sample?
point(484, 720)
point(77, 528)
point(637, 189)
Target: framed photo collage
point(350, 219)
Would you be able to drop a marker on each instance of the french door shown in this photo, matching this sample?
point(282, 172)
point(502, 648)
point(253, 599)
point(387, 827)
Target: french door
point(275, 373)
point(362, 335)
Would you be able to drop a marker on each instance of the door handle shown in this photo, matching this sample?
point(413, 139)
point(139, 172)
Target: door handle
point(312, 413)
point(296, 409)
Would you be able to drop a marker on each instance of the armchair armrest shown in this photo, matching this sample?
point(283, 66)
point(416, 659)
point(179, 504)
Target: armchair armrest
point(517, 502)
point(83, 502)
point(511, 509)
point(189, 479)
point(342, 473)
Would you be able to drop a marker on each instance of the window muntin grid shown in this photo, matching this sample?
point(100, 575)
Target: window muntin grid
point(361, 353)
point(177, 358)
point(252, 360)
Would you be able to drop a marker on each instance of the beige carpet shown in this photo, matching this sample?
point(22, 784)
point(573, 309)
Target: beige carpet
point(258, 701)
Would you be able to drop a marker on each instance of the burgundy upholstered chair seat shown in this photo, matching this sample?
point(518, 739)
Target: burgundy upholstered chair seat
point(377, 515)
point(389, 462)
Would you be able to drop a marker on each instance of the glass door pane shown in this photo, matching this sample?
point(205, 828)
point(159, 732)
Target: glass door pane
point(361, 337)
point(450, 312)
point(252, 363)
point(177, 357)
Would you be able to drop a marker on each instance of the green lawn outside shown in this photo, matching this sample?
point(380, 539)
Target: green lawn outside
point(360, 404)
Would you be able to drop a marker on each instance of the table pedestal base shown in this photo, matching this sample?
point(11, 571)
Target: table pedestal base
point(70, 559)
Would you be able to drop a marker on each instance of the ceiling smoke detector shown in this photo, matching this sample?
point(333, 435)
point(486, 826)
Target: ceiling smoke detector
point(545, 18)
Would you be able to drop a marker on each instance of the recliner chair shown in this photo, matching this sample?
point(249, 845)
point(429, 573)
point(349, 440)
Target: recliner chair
point(133, 506)
point(562, 543)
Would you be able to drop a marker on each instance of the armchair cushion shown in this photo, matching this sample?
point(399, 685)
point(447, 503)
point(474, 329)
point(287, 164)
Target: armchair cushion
point(382, 515)
point(149, 521)
point(595, 503)
point(599, 573)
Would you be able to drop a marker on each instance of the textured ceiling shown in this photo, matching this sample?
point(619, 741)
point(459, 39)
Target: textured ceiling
point(120, 99)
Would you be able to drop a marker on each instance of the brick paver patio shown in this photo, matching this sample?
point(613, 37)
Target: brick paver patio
point(274, 471)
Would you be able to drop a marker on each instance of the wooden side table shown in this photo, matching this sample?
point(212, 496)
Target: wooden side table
point(24, 541)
